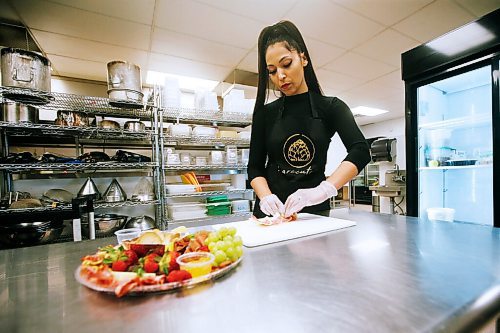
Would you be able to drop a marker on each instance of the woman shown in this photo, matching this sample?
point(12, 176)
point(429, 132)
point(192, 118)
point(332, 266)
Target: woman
point(290, 136)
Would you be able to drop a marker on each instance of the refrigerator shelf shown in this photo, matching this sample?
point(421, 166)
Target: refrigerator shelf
point(456, 123)
point(446, 167)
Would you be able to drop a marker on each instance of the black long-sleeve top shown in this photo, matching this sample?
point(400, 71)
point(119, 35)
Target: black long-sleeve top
point(334, 112)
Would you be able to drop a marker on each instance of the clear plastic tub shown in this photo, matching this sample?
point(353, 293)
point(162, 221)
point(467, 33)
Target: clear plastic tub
point(127, 234)
point(441, 214)
point(196, 263)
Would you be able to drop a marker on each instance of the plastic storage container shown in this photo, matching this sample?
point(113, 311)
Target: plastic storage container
point(127, 234)
point(441, 214)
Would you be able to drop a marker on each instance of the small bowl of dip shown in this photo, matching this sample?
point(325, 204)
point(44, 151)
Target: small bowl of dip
point(196, 263)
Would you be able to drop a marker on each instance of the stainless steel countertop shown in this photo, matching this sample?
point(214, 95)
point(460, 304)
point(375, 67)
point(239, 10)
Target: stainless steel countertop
point(387, 274)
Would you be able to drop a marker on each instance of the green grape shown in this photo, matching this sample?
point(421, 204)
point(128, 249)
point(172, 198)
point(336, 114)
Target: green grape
point(220, 256)
point(232, 231)
point(228, 238)
point(231, 253)
point(220, 245)
point(212, 247)
point(237, 240)
point(222, 232)
point(239, 251)
point(212, 237)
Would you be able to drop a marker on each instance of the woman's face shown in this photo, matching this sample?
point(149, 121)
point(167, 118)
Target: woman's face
point(286, 69)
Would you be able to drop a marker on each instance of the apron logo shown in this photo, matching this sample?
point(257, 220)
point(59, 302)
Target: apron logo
point(298, 151)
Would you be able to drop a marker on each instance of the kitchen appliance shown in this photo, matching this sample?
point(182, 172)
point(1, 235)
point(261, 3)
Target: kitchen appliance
point(13, 112)
point(383, 149)
point(124, 84)
point(28, 70)
point(452, 142)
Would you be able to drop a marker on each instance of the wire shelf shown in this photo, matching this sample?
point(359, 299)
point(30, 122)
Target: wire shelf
point(127, 203)
point(210, 219)
point(203, 140)
point(76, 167)
point(208, 193)
point(206, 116)
point(67, 208)
point(170, 167)
point(62, 101)
point(28, 129)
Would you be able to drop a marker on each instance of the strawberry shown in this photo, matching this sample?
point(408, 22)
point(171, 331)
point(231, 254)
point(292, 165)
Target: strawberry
point(204, 248)
point(150, 266)
point(119, 266)
point(132, 257)
point(177, 276)
point(173, 265)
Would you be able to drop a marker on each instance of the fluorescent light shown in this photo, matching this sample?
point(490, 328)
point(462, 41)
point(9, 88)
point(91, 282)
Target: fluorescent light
point(185, 82)
point(367, 111)
point(457, 41)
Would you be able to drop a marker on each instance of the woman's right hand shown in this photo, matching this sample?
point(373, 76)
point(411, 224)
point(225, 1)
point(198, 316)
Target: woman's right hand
point(271, 205)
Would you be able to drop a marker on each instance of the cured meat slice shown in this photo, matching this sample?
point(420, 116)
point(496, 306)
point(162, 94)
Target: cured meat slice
point(275, 219)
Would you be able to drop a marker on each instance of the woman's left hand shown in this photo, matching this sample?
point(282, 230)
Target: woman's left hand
point(309, 197)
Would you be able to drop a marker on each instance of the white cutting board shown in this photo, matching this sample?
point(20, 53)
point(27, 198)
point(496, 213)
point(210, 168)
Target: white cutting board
point(254, 234)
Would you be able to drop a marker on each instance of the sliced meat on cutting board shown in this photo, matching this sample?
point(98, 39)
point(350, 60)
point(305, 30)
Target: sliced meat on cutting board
point(254, 234)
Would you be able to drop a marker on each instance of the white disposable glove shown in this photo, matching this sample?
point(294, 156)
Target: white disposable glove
point(271, 205)
point(309, 197)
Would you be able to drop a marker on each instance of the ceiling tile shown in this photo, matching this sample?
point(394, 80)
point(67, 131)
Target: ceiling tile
point(322, 53)
point(175, 65)
point(336, 81)
point(265, 11)
point(184, 46)
point(7, 13)
point(87, 50)
point(434, 20)
point(387, 47)
point(386, 12)
point(332, 23)
point(83, 24)
point(249, 63)
point(83, 69)
point(479, 7)
point(359, 66)
point(200, 20)
point(133, 10)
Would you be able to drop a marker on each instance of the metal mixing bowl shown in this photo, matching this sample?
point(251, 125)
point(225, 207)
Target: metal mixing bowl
point(143, 222)
point(105, 224)
point(30, 233)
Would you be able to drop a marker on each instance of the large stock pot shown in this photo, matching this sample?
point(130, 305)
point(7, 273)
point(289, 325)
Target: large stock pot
point(13, 112)
point(25, 69)
point(124, 83)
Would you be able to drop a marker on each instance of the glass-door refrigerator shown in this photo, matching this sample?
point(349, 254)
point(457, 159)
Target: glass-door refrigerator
point(453, 124)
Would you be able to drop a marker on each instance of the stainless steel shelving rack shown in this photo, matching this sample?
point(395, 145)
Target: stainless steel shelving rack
point(200, 117)
point(96, 106)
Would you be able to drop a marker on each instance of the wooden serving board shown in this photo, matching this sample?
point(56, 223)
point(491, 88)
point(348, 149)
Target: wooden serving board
point(254, 234)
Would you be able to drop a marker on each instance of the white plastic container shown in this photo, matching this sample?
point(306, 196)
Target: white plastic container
point(180, 188)
point(441, 214)
point(127, 234)
point(240, 205)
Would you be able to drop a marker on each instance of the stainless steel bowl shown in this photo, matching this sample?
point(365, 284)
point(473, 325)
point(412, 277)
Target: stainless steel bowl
point(30, 233)
point(134, 126)
point(143, 222)
point(105, 224)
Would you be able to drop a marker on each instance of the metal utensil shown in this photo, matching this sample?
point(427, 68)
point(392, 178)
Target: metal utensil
point(142, 222)
point(114, 192)
point(89, 189)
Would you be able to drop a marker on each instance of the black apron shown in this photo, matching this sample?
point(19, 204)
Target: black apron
point(297, 152)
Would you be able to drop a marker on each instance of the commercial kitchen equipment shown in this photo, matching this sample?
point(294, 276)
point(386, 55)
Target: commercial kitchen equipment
point(453, 122)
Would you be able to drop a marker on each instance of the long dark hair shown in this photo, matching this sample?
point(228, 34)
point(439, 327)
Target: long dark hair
point(287, 32)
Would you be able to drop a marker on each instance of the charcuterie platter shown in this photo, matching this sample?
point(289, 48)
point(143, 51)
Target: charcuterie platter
point(159, 261)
